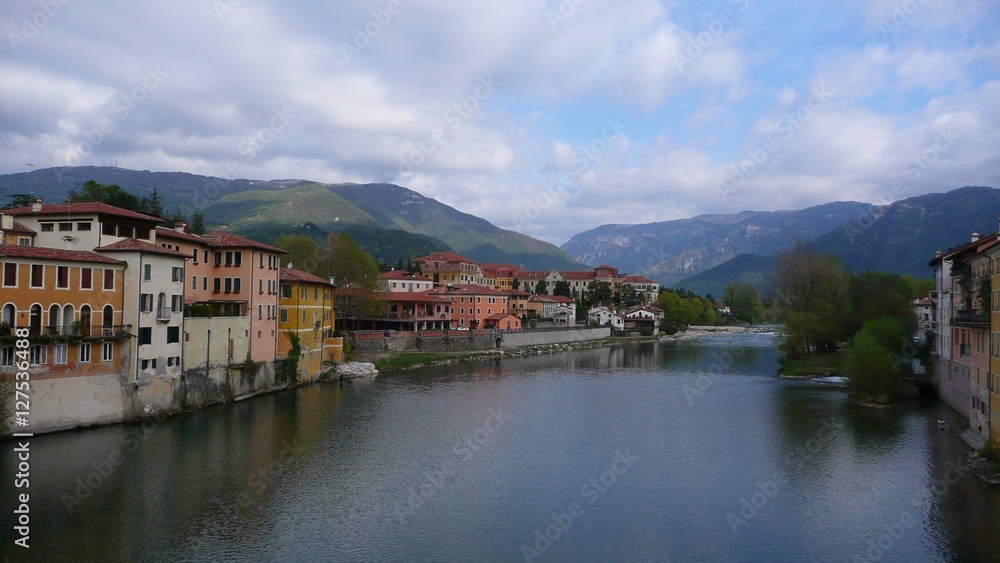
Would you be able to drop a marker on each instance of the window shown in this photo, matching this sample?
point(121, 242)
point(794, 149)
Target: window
point(261, 260)
point(194, 255)
point(229, 285)
point(177, 274)
point(237, 258)
point(303, 292)
point(107, 351)
point(86, 277)
point(83, 226)
point(260, 311)
point(62, 277)
point(85, 352)
point(146, 302)
point(23, 241)
point(229, 258)
point(147, 272)
point(61, 353)
point(176, 303)
point(316, 291)
point(145, 335)
point(173, 334)
point(125, 232)
point(7, 356)
point(284, 316)
point(260, 285)
point(37, 275)
point(217, 285)
point(237, 285)
point(10, 275)
point(146, 363)
point(272, 287)
point(218, 258)
point(204, 283)
point(106, 229)
point(47, 227)
point(194, 282)
point(286, 291)
point(109, 279)
point(36, 355)
point(142, 233)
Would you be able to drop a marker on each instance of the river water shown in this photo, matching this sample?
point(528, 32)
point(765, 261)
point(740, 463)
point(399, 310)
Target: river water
point(688, 451)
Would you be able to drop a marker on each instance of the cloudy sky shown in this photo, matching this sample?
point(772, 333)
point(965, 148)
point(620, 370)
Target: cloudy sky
point(547, 117)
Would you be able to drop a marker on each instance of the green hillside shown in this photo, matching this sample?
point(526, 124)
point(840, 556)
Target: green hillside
point(750, 268)
point(305, 202)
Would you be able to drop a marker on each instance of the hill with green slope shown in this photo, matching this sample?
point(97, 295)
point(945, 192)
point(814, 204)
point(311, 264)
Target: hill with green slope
point(750, 268)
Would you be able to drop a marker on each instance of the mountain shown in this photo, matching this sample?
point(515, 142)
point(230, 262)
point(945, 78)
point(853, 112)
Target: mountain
point(902, 238)
point(750, 268)
point(673, 250)
point(269, 207)
point(899, 238)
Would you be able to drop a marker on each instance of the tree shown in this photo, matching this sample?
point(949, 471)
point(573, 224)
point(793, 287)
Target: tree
point(198, 223)
point(542, 288)
point(598, 292)
point(744, 302)
point(874, 364)
point(879, 294)
point(153, 204)
point(357, 276)
point(112, 195)
point(562, 288)
point(810, 287)
point(304, 254)
point(516, 284)
point(628, 296)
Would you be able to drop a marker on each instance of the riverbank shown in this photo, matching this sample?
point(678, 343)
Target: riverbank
point(812, 366)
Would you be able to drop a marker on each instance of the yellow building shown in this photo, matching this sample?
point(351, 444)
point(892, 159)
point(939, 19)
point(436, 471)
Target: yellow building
point(305, 308)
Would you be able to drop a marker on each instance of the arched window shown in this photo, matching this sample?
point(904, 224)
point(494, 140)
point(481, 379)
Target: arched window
point(85, 320)
point(108, 316)
point(54, 323)
point(69, 316)
point(35, 319)
point(9, 314)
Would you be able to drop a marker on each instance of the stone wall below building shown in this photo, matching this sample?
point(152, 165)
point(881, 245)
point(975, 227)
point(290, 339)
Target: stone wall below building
point(471, 340)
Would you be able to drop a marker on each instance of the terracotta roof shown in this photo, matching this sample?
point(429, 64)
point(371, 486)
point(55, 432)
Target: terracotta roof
point(222, 239)
point(578, 275)
point(639, 279)
point(552, 298)
point(293, 274)
point(171, 233)
point(403, 275)
point(14, 251)
point(136, 245)
point(20, 229)
point(499, 316)
point(605, 266)
point(446, 257)
point(468, 289)
point(82, 208)
point(925, 302)
point(415, 297)
point(518, 293)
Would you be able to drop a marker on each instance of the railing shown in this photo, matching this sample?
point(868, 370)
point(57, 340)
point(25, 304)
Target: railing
point(970, 318)
point(73, 330)
point(164, 313)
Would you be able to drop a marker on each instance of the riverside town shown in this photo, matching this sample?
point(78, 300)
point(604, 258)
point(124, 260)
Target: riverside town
point(558, 280)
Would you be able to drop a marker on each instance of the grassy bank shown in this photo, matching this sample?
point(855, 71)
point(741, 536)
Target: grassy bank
point(813, 364)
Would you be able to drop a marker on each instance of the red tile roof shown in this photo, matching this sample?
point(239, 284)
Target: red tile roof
point(223, 239)
point(171, 233)
point(468, 289)
point(136, 245)
point(20, 229)
point(292, 274)
point(89, 207)
point(499, 317)
point(639, 279)
point(38, 252)
point(403, 275)
point(414, 297)
point(518, 293)
point(449, 257)
point(578, 275)
point(551, 299)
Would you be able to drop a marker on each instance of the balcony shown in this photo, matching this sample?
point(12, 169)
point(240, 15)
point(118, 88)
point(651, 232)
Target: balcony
point(75, 331)
point(969, 318)
point(163, 314)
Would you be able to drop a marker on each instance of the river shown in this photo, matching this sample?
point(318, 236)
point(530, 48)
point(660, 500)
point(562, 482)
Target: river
point(671, 451)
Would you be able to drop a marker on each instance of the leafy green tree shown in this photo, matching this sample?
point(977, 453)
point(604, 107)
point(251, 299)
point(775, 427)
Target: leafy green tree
point(153, 204)
point(879, 294)
point(562, 288)
point(628, 296)
point(744, 302)
point(357, 276)
point(112, 195)
point(304, 254)
point(874, 364)
point(810, 287)
point(542, 288)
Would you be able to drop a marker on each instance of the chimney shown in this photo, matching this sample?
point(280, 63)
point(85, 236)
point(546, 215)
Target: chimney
point(36, 204)
point(937, 253)
point(975, 237)
point(6, 222)
point(180, 227)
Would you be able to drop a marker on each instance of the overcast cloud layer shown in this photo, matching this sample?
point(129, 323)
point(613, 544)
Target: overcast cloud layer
point(546, 117)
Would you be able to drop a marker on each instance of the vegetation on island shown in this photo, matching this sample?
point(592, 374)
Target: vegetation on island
point(864, 319)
